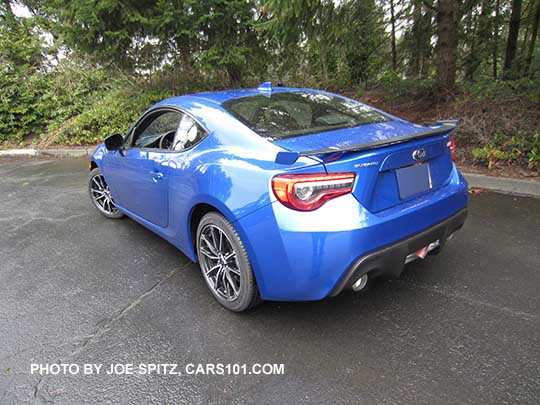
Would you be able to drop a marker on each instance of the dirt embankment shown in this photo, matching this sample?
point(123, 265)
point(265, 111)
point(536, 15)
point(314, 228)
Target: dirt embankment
point(480, 122)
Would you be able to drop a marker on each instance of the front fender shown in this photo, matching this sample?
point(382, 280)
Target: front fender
point(97, 155)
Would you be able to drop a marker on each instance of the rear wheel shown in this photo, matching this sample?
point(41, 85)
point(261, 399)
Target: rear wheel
point(101, 195)
point(225, 265)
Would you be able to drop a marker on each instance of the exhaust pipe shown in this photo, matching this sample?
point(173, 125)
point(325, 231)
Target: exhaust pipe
point(360, 283)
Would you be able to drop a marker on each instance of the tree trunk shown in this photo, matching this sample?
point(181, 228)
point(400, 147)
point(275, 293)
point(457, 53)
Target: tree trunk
point(521, 52)
point(393, 22)
point(496, 38)
point(234, 74)
point(535, 23)
point(446, 45)
point(511, 43)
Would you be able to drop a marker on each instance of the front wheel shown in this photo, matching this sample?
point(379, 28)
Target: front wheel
point(101, 195)
point(225, 265)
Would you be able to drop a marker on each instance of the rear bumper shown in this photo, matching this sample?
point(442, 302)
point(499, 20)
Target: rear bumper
point(390, 260)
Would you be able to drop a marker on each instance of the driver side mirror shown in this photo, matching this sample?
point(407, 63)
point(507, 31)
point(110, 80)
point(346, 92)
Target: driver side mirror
point(114, 142)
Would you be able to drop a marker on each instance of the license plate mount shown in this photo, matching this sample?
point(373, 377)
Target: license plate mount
point(413, 180)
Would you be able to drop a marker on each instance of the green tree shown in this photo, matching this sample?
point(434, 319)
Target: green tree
point(417, 39)
point(109, 31)
point(229, 38)
point(334, 39)
point(22, 81)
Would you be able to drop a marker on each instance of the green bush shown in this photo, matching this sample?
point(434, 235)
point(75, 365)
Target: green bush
point(74, 103)
point(73, 87)
point(395, 87)
point(504, 90)
point(21, 109)
point(522, 147)
point(114, 113)
point(33, 101)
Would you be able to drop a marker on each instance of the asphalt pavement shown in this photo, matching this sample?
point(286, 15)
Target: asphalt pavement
point(76, 288)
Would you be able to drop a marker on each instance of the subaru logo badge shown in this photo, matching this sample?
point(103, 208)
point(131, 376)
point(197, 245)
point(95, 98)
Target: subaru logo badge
point(419, 154)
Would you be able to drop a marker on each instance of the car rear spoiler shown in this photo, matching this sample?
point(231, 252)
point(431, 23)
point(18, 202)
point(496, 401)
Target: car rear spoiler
point(439, 128)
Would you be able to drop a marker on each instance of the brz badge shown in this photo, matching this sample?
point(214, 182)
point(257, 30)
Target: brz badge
point(365, 164)
point(419, 154)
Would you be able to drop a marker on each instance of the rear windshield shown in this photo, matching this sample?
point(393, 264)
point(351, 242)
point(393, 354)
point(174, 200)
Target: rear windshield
point(287, 114)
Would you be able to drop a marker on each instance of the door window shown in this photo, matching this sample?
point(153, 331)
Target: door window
point(158, 130)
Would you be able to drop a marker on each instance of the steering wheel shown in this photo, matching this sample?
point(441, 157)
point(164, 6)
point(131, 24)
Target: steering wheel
point(166, 141)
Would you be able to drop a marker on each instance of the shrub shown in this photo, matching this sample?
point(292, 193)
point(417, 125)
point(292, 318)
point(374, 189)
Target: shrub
point(33, 101)
point(21, 111)
point(526, 90)
point(522, 147)
point(114, 113)
point(395, 87)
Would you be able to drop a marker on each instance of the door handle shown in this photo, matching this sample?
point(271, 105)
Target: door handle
point(157, 176)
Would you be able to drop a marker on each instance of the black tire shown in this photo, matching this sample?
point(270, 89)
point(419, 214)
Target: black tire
point(99, 193)
point(247, 295)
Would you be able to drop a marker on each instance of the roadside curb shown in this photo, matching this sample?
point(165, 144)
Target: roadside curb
point(76, 152)
point(529, 188)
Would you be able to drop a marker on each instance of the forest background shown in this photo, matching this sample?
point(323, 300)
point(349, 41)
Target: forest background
point(75, 71)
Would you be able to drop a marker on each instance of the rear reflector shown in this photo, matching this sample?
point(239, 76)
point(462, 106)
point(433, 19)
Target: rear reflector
point(452, 146)
point(307, 192)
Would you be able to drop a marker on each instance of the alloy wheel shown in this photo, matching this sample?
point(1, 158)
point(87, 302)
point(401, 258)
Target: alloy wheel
point(101, 195)
point(219, 262)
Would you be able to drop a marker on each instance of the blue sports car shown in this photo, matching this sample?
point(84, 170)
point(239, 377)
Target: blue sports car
point(283, 193)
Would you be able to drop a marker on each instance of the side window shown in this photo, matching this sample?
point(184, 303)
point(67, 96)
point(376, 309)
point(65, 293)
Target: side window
point(158, 130)
point(189, 133)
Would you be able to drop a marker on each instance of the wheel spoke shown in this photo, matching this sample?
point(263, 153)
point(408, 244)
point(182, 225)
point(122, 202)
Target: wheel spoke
point(220, 248)
point(210, 245)
point(233, 270)
point(102, 181)
point(213, 236)
point(225, 284)
point(231, 282)
point(219, 277)
point(96, 182)
point(208, 254)
point(212, 269)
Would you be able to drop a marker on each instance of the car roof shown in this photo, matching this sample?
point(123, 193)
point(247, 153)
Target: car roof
point(222, 96)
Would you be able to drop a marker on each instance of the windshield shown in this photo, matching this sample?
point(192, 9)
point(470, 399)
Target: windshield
point(288, 114)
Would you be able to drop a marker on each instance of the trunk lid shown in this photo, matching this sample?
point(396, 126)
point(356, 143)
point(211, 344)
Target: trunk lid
point(386, 175)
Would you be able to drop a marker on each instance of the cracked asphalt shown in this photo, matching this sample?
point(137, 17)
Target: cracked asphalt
point(463, 327)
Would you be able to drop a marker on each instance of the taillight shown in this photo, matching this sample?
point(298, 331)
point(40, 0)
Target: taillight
point(307, 192)
point(452, 147)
